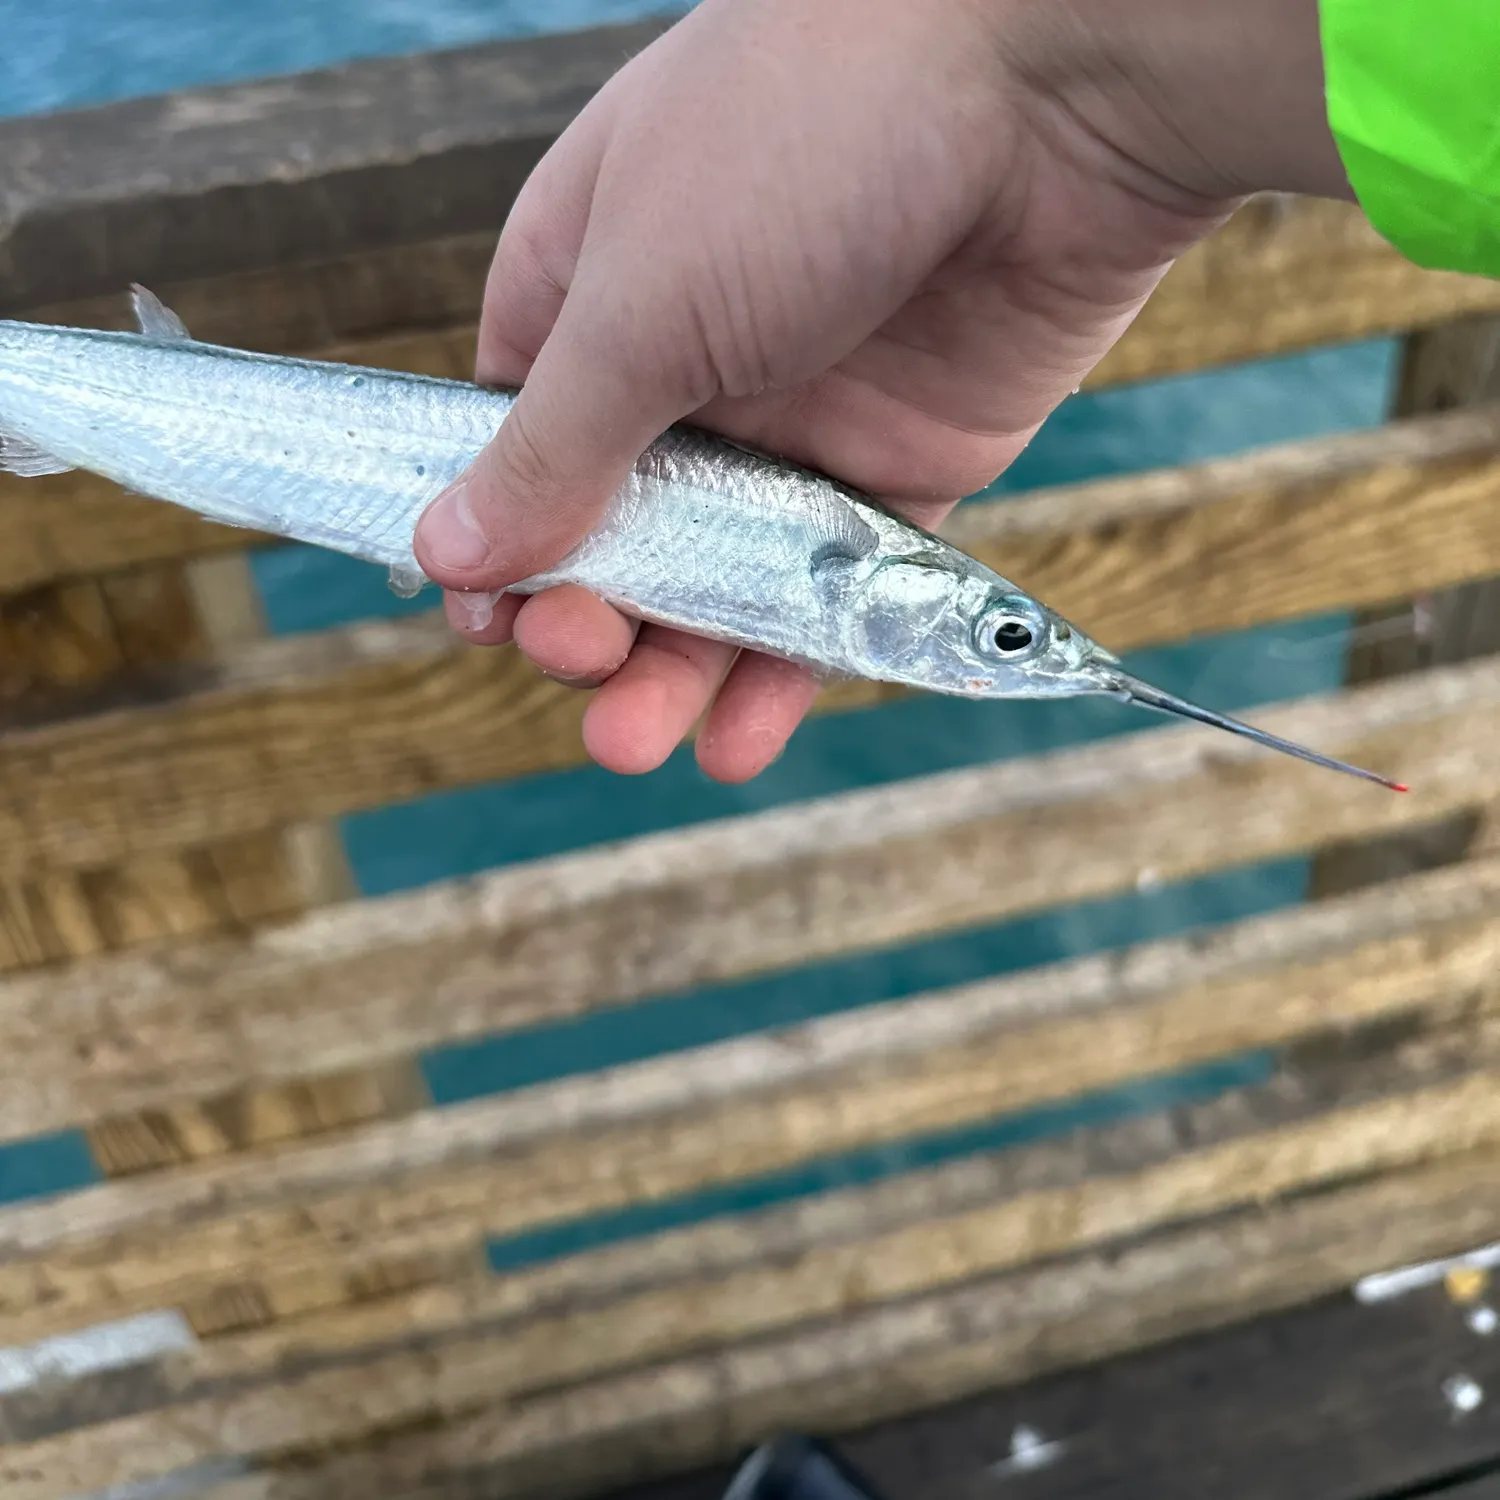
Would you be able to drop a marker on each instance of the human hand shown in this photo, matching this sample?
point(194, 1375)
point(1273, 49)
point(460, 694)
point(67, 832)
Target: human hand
point(883, 238)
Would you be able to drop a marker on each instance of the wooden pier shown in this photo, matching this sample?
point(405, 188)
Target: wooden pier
point(277, 1278)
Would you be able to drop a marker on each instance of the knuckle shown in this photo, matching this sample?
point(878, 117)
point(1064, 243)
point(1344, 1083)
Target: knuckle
point(529, 262)
point(731, 330)
point(522, 466)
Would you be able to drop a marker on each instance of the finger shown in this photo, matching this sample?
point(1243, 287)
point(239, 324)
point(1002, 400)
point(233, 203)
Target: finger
point(573, 636)
point(597, 397)
point(754, 714)
point(537, 251)
point(604, 373)
point(646, 710)
point(481, 619)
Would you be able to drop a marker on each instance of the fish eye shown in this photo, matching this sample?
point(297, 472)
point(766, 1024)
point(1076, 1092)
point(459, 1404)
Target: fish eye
point(1006, 632)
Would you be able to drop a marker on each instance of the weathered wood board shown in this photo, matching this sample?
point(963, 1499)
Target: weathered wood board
point(1334, 1401)
point(245, 177)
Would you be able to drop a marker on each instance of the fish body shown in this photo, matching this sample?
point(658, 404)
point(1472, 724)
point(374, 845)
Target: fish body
point(704, 535)
point(340, 457)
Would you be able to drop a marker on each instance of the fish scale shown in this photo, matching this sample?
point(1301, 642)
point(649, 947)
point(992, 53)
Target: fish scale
point(705, 535)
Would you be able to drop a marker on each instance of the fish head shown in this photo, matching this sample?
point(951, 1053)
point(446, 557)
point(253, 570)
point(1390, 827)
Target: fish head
point(947, 626)
point(934, 623)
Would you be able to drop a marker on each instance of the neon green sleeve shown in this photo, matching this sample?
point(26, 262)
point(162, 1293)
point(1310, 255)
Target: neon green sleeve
point(1414, 102)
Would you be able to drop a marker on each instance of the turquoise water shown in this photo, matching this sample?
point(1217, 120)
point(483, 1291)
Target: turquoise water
point(74, 52)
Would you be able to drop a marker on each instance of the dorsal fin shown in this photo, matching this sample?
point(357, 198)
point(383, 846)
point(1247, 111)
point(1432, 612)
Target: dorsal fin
point(156, 319)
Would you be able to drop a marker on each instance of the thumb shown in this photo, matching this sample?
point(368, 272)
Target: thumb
point(596, 398)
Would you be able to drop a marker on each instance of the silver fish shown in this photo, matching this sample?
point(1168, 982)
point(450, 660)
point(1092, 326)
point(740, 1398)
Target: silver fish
point(706, 536)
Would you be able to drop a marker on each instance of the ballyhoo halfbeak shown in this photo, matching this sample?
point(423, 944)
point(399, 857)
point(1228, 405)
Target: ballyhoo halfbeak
point(1133, 690)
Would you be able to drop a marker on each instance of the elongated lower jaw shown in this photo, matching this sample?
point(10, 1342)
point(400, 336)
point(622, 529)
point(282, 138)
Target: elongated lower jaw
point(1133, 690)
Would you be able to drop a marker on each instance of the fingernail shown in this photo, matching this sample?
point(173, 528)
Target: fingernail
point(450, 533)
point(479, 608)
point(562, 679)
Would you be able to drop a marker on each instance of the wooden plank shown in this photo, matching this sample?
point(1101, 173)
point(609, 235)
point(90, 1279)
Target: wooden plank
point(892, 1360)
point(78, 635)
point(1454, 367)
point(236, 886)
point(102, 636)
point(239, 178)
point(77, 638)
point(266, 738)
point(1264, 518)
point(1325, 1402)
point(1107, 1185)
point(173, 1133)
point(1278, 277)
point(380, 979)
point(233, 887)
point(1321, 276)
point(430, 287)
point(301, 1224)
point(1443, 369)
point(411, 308)
point(311, 862)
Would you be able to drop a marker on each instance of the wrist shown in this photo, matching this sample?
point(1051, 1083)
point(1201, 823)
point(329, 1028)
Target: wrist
point(1217, 99)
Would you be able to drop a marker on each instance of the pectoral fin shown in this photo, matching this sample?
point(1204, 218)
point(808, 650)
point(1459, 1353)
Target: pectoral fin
point(406, 583)
point(838, 534)
point(22, 457)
